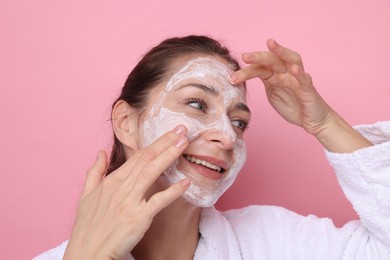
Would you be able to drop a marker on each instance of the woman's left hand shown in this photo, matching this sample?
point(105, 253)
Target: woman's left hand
point(288, 87)
point(291, 92)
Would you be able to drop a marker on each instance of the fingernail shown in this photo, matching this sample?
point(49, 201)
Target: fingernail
point(272, 43)
point(181, 142)
point(247, 56)
point(233, 78)
point(185, 183)
point(180, 129)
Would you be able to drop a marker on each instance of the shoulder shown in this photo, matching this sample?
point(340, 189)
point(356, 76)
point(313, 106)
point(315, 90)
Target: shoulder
point(259, 219)
point(272, 220)
point(257, 212)
point(278, 233)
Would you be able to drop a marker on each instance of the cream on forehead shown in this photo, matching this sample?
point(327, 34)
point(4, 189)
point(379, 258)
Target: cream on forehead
point(212, 73)
point(201, 68)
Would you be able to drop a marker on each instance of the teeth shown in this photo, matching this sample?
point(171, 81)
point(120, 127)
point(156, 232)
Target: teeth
point(204, 163)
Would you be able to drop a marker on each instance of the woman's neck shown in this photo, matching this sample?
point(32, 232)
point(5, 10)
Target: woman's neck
point(173, 234)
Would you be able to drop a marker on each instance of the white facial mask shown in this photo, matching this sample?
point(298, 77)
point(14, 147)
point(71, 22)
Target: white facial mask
point(161, 120)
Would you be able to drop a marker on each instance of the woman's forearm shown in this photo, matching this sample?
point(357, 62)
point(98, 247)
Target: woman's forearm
point(340, 137)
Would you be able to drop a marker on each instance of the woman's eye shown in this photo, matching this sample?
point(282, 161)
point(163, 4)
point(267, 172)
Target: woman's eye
point(197, 103)
point(240, 124)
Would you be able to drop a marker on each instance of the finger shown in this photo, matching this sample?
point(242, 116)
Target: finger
point(284, 53)
point(250, 72)
point(154, 168)
point(304, 79)
point(265, 59)
point(162, 199)
point(95, 174)
point(147, 154)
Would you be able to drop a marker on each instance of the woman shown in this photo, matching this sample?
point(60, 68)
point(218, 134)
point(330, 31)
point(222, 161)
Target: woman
point(155, 199)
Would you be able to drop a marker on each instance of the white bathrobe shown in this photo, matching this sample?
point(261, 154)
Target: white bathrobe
point(268, 232)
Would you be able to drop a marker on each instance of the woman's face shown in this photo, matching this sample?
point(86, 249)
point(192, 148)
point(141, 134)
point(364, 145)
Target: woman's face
point(200, 96)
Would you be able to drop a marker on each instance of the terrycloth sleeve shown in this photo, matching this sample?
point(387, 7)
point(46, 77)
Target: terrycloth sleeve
point(56, 253)
point(364, 176)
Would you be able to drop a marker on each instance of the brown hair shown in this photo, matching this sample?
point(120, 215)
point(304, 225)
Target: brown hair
point(155, 67)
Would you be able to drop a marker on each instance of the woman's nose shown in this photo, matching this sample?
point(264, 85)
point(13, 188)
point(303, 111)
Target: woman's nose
point(222, 138)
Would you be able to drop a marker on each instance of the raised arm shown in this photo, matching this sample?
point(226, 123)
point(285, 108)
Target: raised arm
point(363, 170)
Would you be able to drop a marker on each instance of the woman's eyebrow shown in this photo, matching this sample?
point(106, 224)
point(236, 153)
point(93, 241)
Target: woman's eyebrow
point(209, 89)
point(243, 107)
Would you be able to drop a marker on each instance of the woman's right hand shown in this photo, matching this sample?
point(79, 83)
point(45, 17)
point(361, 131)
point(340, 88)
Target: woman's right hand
point(114, 213)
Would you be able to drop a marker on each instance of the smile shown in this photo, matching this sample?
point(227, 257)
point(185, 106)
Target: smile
point(204, 163)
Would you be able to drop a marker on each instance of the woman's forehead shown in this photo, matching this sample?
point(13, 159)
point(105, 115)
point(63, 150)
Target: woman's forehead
point(202, 69)
point(207, 71)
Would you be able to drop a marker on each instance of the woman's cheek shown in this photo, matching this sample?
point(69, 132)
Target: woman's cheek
point(156, 126)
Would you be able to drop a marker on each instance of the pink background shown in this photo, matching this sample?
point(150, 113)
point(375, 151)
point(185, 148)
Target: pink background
point(63, 63)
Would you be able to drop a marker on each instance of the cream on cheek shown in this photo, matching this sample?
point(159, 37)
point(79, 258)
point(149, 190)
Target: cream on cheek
point(161, 119)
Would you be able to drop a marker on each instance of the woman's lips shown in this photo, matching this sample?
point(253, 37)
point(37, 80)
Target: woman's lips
point(207, 166)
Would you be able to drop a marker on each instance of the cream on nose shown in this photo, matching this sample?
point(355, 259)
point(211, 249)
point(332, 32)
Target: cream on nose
point(222, 131)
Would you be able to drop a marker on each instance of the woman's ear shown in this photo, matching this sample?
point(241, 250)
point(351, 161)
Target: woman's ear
point(125, 124)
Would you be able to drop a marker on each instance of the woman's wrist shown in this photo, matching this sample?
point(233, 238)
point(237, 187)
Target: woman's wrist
point(340, 137)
